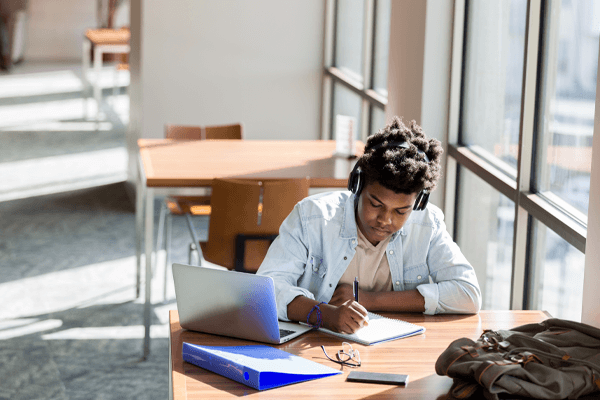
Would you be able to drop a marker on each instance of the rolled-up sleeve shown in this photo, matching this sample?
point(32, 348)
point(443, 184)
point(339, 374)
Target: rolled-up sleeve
point(285, 262)
point(454, 288)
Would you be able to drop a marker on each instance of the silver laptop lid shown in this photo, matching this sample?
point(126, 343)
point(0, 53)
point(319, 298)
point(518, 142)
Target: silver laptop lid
point(226, 303)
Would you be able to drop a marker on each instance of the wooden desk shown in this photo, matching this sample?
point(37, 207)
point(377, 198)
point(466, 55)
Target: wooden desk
point(187, 168)
point(103, 41)
point(415, 356)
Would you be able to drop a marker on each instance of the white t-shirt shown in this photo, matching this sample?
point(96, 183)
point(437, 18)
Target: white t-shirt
point(370, 265)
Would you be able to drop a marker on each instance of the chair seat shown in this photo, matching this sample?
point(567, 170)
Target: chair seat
point(180, 205)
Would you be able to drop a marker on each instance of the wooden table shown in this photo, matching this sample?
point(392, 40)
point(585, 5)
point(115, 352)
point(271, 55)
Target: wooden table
point(187, 168)
point(103, 41)
point(415, 356)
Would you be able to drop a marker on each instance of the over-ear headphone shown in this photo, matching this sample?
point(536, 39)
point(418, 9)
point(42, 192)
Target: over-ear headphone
point(356, 180)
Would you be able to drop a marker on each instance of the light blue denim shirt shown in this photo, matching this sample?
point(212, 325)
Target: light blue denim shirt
point(318, 239)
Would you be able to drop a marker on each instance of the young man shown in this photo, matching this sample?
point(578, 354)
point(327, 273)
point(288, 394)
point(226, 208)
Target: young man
point(381, 231)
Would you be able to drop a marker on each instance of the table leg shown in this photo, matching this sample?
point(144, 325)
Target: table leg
point(98, 68)
point(140, 195)
point(148, 242)
point(85, 67)
point(170, 364)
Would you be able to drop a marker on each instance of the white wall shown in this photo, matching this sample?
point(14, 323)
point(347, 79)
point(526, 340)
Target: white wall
point(214, 62)
point(54, 29)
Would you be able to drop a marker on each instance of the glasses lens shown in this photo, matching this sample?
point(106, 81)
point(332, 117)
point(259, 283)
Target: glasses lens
point(343, 357)
point(356, 356)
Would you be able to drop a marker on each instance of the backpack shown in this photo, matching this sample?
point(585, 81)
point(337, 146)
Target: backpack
point(553, 359)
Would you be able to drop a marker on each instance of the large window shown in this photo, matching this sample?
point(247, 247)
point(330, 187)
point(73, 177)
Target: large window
point(356, 62)
point(522, 141)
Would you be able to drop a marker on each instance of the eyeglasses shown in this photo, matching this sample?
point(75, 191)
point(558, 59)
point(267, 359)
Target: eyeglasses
point(347, 356)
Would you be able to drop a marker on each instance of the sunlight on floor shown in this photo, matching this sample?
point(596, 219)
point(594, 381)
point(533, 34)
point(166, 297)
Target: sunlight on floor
point(14, 328)
point(22, 117)
point(62, 126)
point(55, 82)
point(62, 173)
point(113, 332)
point(53, 292)
point(57, 110)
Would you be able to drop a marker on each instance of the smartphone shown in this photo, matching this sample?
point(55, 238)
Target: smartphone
point(377, 377)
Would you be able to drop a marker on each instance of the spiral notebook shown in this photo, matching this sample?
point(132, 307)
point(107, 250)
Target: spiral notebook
point(379, 330)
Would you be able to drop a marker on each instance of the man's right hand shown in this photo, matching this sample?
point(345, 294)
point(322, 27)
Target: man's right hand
point(348, 317)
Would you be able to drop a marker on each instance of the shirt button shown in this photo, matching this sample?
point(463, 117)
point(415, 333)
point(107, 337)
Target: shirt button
point(419, 277)
point(345, 258)
point(391, 251)
point(353, 241)
point(397, 283)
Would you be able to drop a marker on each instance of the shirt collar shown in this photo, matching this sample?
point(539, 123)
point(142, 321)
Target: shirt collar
point(349, 226)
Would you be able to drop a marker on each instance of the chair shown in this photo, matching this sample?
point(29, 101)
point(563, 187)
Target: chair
point(184, 132)
point(189, 205)
point(245, 219)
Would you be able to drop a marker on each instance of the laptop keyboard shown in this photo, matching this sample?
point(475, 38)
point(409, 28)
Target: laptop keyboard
point(284, 332)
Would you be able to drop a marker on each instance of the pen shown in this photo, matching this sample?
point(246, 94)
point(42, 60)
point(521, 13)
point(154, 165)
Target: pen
point(356, 289)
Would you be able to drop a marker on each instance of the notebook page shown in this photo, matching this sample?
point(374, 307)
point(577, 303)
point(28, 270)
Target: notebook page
point(380, 329)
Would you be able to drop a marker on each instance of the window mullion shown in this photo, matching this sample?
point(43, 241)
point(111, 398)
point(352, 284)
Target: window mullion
point(328, 61)
point(450, 167)
point(368, 47)
point(524, 163)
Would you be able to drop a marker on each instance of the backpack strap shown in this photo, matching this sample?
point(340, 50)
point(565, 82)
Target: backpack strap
point(489, 371)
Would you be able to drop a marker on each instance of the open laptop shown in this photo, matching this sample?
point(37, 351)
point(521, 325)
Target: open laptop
point(230, 303)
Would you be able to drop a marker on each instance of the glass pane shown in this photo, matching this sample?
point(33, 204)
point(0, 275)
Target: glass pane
point(377, 120)
point(558, 275)
point(493, 75)
point(485, 236)
point(568, 97)
point(382, 42)
point(350, 37)
point(346, 102)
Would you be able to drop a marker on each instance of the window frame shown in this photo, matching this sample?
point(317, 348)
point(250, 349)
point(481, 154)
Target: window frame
point(528, 203)
point(333, 75)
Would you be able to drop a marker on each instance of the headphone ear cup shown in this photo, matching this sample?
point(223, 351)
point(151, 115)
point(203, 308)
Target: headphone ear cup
point(352, 179)
point(421, 201)
point(418, 201)
point(355, 180)
point(424, 200)
point(360, 182)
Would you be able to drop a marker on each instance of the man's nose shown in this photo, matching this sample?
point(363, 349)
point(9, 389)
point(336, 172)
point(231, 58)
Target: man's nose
point(384, 217)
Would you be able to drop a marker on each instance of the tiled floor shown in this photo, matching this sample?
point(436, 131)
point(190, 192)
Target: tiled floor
point(70, 324)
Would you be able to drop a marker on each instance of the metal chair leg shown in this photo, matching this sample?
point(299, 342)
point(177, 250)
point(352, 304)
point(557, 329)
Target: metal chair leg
point(191, 251)
point(195, 245)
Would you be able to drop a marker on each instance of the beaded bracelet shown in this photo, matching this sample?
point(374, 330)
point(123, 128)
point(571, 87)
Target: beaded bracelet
point(319, 319)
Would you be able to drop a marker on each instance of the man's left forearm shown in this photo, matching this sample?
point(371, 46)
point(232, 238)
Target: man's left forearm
point(404, 301)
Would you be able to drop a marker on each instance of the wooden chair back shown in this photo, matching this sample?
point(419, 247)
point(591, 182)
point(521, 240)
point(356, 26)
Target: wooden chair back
point(234, 131)
point(187, 132)
point(183, 132)
point(252, 208)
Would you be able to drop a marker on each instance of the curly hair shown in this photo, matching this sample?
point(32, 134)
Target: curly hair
point(398, 169)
